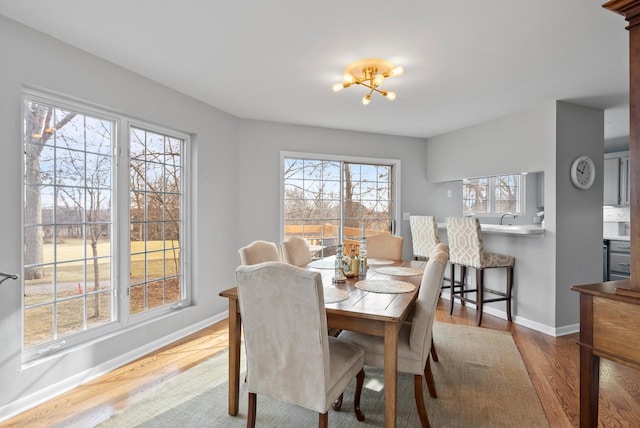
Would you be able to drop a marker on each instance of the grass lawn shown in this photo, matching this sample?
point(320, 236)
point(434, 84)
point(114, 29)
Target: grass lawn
point(160, 260)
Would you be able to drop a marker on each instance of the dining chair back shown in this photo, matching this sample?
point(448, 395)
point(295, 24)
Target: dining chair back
point(384, 246)
point(290, 356)
point(296, 251)
point(259, 252)
point(424, 235)
point(466, 249)
point(415, 338)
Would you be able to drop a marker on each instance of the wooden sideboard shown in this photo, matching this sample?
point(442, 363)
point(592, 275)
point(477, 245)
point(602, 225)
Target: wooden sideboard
point(609, 323)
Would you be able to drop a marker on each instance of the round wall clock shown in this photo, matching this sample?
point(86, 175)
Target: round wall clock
point(583, 172)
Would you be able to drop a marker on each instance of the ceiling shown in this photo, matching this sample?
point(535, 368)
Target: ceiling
point(465, 62)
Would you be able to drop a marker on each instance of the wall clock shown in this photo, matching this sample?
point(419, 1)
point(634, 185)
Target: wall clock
point(583, 172)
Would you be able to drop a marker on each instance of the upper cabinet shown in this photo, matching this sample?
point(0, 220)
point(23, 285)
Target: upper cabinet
point(616, 179)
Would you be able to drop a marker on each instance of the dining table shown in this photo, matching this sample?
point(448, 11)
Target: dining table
point(379, 312)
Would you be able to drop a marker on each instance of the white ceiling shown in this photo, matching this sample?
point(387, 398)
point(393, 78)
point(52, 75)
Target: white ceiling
point(465, 61)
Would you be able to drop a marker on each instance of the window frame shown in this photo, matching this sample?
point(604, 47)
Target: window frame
point(396, 171)
point(121, 320)
point(521, 202)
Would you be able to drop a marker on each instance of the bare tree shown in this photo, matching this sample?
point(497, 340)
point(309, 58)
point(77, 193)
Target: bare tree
point(40, 125)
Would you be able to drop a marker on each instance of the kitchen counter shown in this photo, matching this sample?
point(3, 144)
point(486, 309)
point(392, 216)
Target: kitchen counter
point(617, 237)
point(516, 229)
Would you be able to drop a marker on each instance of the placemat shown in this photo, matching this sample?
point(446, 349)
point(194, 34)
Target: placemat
point(379, 262)
point(334, 295)
point(399, 271)
point(385, 286)
point(324, 263)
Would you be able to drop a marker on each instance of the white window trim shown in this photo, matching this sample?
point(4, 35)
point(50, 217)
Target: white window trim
point(120, 250)
point(396, 169)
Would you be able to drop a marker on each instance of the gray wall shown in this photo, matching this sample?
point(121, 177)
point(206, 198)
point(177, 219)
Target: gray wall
point(580, 131)
point(548, 139)
point(259, 147)
point(35, 60)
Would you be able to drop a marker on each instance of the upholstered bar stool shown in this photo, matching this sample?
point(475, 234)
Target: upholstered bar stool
point(466, 249)
point(424, 235)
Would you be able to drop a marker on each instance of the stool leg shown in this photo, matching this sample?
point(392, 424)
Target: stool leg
point(463, 279)
point(509, 287)
point(479, 294)
point(453, 287)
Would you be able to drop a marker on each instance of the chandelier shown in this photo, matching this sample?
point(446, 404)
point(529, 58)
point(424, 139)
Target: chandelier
point(369, 73)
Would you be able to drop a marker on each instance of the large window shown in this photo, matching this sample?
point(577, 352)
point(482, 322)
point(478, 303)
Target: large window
point(493, 195)
point(328, 199)
point(78, 222)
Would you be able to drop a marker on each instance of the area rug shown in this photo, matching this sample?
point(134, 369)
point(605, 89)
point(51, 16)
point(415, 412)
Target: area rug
point(480, 378)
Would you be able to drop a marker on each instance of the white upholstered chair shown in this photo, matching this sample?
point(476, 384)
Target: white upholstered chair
point(259, 252)
point(384, 246)
point(466, 249)
point(295, 251)
point(414, 340)
point(424, 235)
point(291, 357)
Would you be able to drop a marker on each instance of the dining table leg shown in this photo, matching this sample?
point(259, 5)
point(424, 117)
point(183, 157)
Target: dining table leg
point(391, 330)
point(234, 356)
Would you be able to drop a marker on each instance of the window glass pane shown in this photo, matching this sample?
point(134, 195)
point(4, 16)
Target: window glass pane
point(68, 176)
point(155, 210)
point(319, 193)
point(475, 193)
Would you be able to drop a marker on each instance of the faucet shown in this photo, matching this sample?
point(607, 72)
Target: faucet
point(505, 214)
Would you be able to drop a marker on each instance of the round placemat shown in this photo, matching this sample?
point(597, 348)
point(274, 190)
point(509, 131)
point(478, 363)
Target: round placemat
point(333, 295)
point(399, 271)
point(379, 262)
point(325, 263)
point(385, 286)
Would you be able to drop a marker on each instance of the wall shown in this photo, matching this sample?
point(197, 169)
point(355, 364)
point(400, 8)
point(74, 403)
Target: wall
point(33, 59)
point(580, 131)
point(259, 147)
point(548, 139)
point(516, 143)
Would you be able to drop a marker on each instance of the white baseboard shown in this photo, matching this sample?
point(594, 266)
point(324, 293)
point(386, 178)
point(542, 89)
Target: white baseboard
point(25, 403)
point(525, 322)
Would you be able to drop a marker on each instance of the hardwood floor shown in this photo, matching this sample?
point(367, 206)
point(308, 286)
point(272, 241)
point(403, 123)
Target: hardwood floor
point(552, 364)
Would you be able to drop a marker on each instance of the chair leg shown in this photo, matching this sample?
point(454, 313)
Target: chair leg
point(480, 295)
point(337, 405)
point(434, 354)
point(251, 415)
point(422, 411)
point(323, 420)
point(509, 287)
point(356, 397)
point(453, 288)
point(428, 376)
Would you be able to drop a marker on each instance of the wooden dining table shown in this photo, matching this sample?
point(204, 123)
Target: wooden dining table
point(379, 314)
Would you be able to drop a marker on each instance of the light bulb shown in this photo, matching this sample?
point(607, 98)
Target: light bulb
point(366, 99)
point(391, 96)
point(348, 78)
point(377, 81)
point(398, 71)
point(337, 87)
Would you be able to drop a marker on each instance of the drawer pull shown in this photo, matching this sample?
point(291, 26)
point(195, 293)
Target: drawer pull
point(624, 264)
point(625, 247)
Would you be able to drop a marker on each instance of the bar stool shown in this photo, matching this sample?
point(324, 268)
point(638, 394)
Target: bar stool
point(424, 235)
point(466, 249)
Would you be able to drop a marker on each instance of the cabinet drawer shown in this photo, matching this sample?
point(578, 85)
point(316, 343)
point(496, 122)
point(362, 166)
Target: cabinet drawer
point(620, 263)
point(620, 246)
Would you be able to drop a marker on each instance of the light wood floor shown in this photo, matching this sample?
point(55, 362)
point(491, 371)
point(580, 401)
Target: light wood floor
point(552, 364)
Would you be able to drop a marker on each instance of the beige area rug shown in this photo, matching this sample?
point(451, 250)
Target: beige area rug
point(481, 382)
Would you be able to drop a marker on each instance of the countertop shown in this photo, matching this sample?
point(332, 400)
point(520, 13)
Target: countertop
point(617, 237)
point(516, 229)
